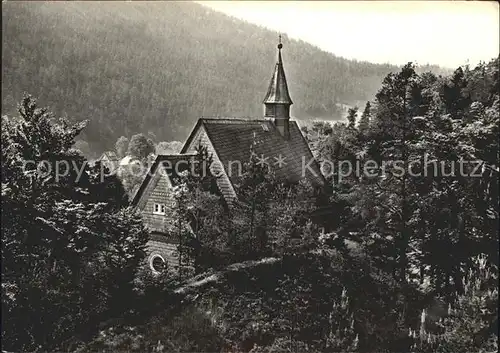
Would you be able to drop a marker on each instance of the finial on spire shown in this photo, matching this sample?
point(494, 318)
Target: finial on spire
point(279, 42)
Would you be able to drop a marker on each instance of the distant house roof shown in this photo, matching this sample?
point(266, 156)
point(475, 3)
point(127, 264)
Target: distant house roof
point(234, 139)
point(109, 155)
point(110, 160)
point(171, 165)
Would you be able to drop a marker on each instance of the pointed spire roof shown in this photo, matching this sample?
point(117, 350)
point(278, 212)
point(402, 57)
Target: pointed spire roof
point(277, 93)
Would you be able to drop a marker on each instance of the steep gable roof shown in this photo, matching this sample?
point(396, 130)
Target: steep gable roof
point(169, 164)
point(233, 140)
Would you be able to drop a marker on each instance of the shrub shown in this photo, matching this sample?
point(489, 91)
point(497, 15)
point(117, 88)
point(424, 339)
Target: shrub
point(471, 324)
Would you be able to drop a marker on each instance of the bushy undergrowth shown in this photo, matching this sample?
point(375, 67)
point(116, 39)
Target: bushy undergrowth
point(471, 323)
point(315, 302)
point(323, 300)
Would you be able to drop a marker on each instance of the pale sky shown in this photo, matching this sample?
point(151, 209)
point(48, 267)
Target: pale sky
point(446, 33)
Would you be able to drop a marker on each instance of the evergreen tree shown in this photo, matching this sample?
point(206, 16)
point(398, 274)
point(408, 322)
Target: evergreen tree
point(454, 95)
point(249, 213)
point(351, 117)
point(207, 241)
point(70, 252)
point(364, 122)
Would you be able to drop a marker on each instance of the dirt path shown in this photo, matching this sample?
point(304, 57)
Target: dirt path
point(205, 278)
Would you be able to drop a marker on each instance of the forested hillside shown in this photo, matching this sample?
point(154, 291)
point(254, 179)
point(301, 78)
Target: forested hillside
point(400, 259)
point(154, 68)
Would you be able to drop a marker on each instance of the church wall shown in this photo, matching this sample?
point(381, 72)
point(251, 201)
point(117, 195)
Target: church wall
point(166, 248)
point(160, 243)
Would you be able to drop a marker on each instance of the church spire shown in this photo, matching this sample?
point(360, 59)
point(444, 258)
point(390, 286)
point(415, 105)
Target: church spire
point(278, 88)
point(277, 101)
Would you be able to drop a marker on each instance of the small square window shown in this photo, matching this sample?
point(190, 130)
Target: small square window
point(159, 208)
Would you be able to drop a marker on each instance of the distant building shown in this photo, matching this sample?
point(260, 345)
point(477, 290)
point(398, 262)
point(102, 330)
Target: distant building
point(115, 165)
point(275, 139)
point(110, 160)
point(128, 161)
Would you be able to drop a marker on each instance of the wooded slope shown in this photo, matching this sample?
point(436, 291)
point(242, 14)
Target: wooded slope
point(155, 67)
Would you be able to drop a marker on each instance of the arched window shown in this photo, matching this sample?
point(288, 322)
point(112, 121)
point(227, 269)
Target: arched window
point(157, 263)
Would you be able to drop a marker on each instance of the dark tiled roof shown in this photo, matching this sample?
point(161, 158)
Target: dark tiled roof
point(232, 140)
point(171, 164)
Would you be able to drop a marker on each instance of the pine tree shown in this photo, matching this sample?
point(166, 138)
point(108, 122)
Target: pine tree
point(364, 122)
point(351, 117)
point(454, 95)
point(249, 211)
point(203, 207)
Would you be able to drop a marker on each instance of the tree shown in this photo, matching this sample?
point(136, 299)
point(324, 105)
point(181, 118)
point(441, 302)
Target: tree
point(140, 147)
point(131, 177)
point(271, 217)
point(249, 214)
point(84, 148)
point(69, 254)
point(364, 122)
point(455, 211)
point(395, 102)
point(172, 147)
point(351, 117)
point(199, 202)
point(121, 146)
point(289, 230)
point(454, 95)
point(471, 323)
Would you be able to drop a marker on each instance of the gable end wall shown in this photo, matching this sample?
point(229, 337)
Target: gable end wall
point(158, 191)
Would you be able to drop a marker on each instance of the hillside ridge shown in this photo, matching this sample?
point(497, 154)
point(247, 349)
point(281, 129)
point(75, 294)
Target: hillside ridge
point(156, 67)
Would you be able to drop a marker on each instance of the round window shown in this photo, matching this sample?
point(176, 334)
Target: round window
point(157, 263)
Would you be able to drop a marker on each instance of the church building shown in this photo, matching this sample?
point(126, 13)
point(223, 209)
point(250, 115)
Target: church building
point(275, 139)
